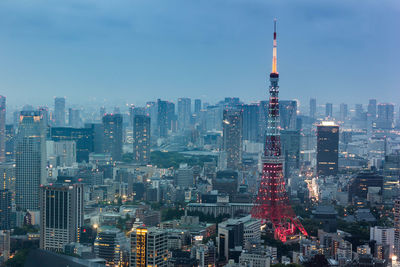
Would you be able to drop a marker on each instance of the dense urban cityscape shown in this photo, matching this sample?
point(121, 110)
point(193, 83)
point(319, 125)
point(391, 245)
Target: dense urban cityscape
point(190, 182)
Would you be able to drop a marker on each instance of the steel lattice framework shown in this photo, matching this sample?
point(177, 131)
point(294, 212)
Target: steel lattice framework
point(272, 203)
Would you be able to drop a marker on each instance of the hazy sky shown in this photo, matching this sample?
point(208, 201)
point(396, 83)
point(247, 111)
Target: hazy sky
point(130, 51)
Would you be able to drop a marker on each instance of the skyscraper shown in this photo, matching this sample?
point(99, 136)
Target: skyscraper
point(59, 111)
point(162, 120)
point(371, 113)
point(251, 122)
point(30, 156)
point(141, 138)
point(327, 149)
point(343, 111)
point(61, 215)
point(112, 124)
point(148, 247)
point(2, 128)
point(197, 105)
point(5, 209)
point(74, 118)
point(329, 110)
point(184, 113)
point(385, 117)
point(232, 139)
point(111, 244)
point(313, 108)
point(288, 114)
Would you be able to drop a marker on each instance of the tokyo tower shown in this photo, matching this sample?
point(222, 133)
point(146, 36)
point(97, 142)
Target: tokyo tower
point(272, 203)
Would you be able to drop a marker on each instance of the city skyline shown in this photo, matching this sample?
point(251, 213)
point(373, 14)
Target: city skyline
point(196, 50)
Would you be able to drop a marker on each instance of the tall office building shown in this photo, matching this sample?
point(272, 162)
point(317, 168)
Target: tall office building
point(232, 139)
point(329, 110)
point(30, 162)
point(162, 121)
point(343, 111)
point(74, 118)
point(288, 114)
point(112, 124)
point(141, 138)
point(251, 123)
point(59, 111)
point(327, 148)
point(197, 105)
point(149, 247)
point(371, 112)
point(5, 209)
point(385, 117)
point(184, 113)
point(111, 244)
point(313, 108)
point(61, 215)
point(2, 128)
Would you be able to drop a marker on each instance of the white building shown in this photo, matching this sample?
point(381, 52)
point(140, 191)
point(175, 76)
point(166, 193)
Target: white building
point(383, 236)
point(254, 260)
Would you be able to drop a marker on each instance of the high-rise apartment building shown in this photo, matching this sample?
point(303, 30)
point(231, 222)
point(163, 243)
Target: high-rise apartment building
point(61, 215)
point(288, 114)
point(149, 247)
point(329, 110)
point(327, 149)
point(141, 138)
point(112, 124)
point(30, 161)
point(232, 140)
point(313, 108)
point(10, 142)
point(184, 113)
point(59, 111)
point(2, 128)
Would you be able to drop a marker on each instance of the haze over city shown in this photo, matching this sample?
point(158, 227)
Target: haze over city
point(142, 50)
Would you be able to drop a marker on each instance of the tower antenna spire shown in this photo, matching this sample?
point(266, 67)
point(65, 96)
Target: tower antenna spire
point(274, 52)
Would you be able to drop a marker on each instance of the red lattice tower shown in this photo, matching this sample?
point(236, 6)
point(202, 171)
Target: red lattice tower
point(272, 203)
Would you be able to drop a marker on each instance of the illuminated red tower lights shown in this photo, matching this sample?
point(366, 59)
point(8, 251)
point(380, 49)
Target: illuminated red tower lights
point(272, 203)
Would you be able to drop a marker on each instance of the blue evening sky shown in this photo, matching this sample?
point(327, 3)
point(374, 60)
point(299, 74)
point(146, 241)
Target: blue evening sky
point(131, 51)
